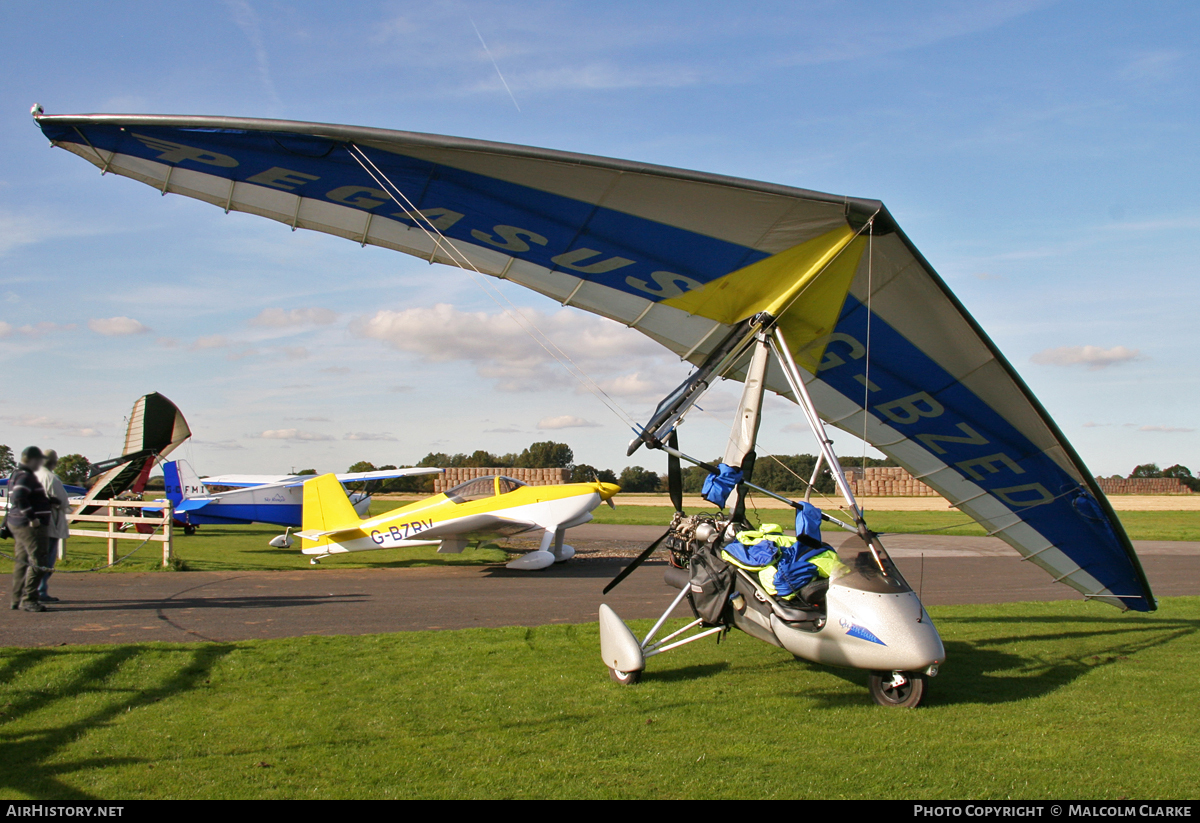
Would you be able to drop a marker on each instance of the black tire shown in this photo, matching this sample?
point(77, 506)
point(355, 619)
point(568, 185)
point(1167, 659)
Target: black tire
point(189, 530)
point(624, 678)
point(908, 696)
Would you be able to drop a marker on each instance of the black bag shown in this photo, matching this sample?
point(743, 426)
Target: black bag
point(712, 584)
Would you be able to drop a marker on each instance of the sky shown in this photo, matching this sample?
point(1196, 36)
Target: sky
point(1043, 156)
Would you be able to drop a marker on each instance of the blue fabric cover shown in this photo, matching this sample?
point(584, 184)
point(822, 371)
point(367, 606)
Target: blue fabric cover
point(808, 521)
point(793, 571)
point(756, 556)
point(718, 487)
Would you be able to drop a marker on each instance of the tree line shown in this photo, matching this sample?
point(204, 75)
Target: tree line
point(781, 473)
point(72, 469)
point(1181, 473)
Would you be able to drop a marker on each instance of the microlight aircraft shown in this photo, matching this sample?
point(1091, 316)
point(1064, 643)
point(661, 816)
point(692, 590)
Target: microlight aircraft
point(860, 330)
point(471, 512)
point(255, 498)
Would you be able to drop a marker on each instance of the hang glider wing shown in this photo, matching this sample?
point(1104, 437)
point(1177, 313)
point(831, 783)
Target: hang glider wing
point(156, 427)
point(682, 257)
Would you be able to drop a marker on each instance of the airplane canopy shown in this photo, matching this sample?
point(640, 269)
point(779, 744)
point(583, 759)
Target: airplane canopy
point(682, 257)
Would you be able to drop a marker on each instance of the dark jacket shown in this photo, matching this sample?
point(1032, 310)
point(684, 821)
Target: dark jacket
point(28, 504)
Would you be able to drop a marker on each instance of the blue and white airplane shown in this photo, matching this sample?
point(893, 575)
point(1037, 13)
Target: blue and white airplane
point(248, 498)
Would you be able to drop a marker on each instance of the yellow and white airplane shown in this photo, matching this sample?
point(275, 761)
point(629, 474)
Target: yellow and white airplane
point(480, 509)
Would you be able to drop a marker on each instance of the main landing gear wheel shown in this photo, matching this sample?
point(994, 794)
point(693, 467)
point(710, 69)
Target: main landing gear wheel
point(189, 530)
point(903, 689)
point(624, 678)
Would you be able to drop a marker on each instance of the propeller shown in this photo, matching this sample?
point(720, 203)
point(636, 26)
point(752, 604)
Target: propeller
point(596, 480)
point(674, 473)
point(637, 561)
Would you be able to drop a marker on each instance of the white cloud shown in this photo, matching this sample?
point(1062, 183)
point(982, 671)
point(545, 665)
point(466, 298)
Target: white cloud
point(281, 318)
point(117, 326)
point(1093, 425)
point(1165, 429)
point(24, 229)
point(224, 445)
point(632, 385)
point(1153, 67)
point(566, 421)
point(503, 351)
point(247, 20)
point(292, 434)
point(504, 430)
point(212, 341)
point(34, 329)
point(369, 436)
point(64, 427)
point(295, 352)
point(336, 370)
point(1094, 357)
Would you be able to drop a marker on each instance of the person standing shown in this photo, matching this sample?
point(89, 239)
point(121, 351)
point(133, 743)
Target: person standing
point(28, 518)
point(58, 530)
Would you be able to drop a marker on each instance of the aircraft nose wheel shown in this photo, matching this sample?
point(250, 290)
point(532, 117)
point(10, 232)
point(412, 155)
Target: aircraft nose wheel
point(624, 678)
point(903, 689)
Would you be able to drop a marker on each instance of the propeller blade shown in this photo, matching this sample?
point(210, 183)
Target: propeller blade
point(639, 560)
point(674, 473)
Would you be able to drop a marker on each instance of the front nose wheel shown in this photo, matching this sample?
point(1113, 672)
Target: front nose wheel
point(624, 678)
point(904, 689)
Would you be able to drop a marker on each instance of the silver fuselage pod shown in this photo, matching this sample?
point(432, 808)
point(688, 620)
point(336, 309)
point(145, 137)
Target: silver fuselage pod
point(871, 623)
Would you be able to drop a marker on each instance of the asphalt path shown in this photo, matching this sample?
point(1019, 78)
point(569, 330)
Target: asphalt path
point(233, 606)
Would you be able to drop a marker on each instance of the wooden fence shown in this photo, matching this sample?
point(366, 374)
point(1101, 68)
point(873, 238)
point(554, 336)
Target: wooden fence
point(164, 519)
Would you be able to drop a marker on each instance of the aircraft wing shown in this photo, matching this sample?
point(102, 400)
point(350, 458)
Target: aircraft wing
point(386, 474)
point(73, 491)
point(248, 480)
point(683, 257)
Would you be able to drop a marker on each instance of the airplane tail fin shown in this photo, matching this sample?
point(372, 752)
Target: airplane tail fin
point(181, 481)
point(326, 508)
point(172, 483)
point(189, 481)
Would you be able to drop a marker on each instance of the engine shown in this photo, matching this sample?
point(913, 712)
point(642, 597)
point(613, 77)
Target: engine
point(689, 532)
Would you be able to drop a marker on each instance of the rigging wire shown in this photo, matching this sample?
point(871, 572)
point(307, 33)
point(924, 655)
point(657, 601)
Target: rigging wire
point(460, 259)
point(867, 355)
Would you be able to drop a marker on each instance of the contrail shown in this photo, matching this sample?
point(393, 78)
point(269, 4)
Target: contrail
point(493, 59)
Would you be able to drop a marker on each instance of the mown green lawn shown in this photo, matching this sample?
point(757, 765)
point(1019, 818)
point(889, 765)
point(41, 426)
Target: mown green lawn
point(1042, 700)
point(242, 548)
point(1139, 525)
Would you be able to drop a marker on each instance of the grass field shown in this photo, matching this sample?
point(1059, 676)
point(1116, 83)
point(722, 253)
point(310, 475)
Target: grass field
point(1147, 525)
point(240, 548)
point(1045, 700)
